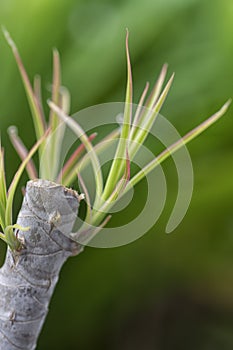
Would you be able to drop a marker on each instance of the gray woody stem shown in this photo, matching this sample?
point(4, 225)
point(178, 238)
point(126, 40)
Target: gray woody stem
point(28, 277)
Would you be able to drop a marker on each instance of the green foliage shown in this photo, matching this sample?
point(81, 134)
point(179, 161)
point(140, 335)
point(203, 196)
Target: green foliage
point(3, 194)
point(36, 113)
point(7, 197)
point(131, 138)
point(132, 135)
point(119, 160)
point(195, 38)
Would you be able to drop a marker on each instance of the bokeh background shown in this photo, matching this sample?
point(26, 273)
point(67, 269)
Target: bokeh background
point(163, 291)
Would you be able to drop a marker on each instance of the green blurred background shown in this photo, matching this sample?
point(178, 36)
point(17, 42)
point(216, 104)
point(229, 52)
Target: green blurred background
point(163, 291)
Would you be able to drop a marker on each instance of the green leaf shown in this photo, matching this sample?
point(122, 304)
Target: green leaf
point(99, 148)
point(53, 119)
point(53, 148)
point(147, 121)
point(3, 192)
point(65, 99)
point(151, 101)
point(15, 181)
point(177, 145)
point(37, 93)
point(120, 186)
point(22, 152)
point(138, 111)
point(118, 163)
point(38, 119)
point(72, 161)
point(84, 139)
point(153, 98)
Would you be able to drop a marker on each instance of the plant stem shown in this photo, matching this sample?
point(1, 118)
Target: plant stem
point(28, 277)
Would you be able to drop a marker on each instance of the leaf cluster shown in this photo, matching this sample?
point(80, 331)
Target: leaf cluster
point(130, 137)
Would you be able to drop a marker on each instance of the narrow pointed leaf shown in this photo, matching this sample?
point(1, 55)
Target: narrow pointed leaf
point(65, 99)
point(150, 103)
point(38, 120)
point(118, 162)
point(177, 145)
point(72, 161)
point(15, 181)
point(2, 177)
point(38, 96)
point(84, 139)
point(22, 152)
point(117, 192)
point(53, 119)
point(138, 111)
point(99, 148)
point(2, 189)
point(123, 181)
point(148, 120)
point(53, 148)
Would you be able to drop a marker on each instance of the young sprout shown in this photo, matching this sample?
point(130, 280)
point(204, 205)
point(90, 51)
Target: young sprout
point(133, 133)
point(130, 137)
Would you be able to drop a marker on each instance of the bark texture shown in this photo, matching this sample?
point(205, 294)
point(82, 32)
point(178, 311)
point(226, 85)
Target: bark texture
point(28, 278)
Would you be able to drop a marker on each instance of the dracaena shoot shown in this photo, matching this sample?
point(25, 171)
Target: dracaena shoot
point(130, 137)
